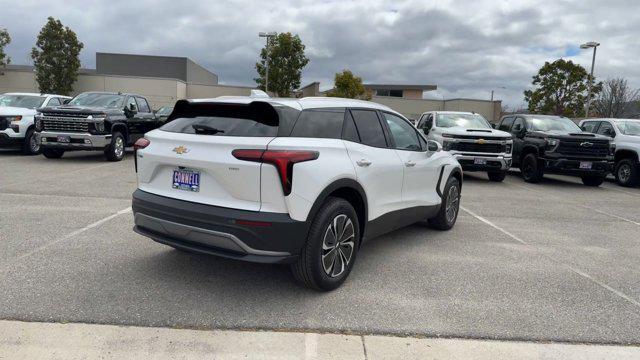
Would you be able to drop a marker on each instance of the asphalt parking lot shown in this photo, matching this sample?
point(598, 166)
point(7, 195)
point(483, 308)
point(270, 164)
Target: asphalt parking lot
point(556, 261)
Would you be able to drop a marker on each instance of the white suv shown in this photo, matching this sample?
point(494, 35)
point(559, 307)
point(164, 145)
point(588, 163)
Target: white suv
point(471, 140)
point(17, 111)
point(626, 138)
point(300, 181)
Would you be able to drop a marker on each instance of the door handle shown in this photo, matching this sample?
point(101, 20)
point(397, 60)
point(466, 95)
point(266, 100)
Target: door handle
point(363, 162)
point(410, 164)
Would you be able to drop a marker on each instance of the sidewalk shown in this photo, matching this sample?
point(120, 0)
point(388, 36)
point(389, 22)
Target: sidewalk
point(22, 340)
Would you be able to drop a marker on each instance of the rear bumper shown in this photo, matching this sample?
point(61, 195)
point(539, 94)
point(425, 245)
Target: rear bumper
point(266, 238)
point(572, 167)
point(78, 141)
point(493, 163)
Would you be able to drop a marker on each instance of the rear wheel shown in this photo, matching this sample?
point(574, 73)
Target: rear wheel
point(531, 169)
point(115, 150)
point(497, 176)
point(52, 153)
point(30, 145)
point(448, 213)
point(593, 180)
point(626, 172)
point(330, 251)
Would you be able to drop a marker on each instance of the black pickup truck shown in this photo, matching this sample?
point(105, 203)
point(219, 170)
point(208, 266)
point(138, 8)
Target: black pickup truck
point(554, 144)
point(103, 121)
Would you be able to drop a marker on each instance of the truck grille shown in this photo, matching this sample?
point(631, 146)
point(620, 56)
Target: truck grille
point(65, 124)
point(4, 123)
point(580, 147)
point(483, 148)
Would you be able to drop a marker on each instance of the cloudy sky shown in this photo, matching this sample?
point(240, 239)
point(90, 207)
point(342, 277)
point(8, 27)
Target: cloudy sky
point(467, 48)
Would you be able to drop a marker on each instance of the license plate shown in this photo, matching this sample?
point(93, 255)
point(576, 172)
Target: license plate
point(480, 161)
point(188, 180)
point(586, 165)
point(63, 139)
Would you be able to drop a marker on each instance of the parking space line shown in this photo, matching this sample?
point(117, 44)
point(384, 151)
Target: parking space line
point(569, 267)
point(65, 237)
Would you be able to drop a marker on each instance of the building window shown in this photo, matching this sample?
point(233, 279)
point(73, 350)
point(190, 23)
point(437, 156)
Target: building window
point(392, 93)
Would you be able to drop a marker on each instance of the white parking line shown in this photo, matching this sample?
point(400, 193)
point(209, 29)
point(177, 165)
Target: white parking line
point(572, 269)
point(63, 238)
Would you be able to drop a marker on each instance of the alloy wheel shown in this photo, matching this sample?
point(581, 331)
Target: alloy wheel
point(624, 173)
point(34, 145)
point(119, 147)
point(451, 207)
point(338, 245)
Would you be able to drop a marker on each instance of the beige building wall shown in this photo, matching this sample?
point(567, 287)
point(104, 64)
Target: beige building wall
point(210, 91)
point(412, 94)
point(413, 108)
point(17, 81)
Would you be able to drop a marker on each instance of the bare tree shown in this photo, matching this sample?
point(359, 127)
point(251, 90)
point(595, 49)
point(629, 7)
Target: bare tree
point(615, 99)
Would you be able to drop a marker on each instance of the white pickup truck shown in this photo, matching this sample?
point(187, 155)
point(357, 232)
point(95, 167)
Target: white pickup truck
point(471, 140)
point(626, 138)
point(17, 111)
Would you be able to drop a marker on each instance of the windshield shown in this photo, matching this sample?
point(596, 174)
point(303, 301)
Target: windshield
point(469, 121)
point(23, 101)
point(554, 124)
point(98, 100)
point(629, 127)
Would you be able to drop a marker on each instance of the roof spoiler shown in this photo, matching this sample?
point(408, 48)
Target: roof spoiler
point(260, 111)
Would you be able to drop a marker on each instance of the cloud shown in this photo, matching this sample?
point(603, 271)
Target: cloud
point(466, 48)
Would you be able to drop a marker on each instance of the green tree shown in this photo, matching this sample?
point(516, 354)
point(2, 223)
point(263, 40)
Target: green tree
point(286, 61)
point(347, 85)
point(5, 39)
point(560, 89)
point(56, 58)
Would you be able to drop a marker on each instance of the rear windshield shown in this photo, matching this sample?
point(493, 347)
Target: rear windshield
point(252, 120)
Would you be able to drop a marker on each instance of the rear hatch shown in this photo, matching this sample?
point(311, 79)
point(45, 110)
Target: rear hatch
point(190, 158)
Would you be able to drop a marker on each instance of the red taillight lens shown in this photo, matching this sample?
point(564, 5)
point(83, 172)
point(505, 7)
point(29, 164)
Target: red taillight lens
point(283, 160)
point(141, 144)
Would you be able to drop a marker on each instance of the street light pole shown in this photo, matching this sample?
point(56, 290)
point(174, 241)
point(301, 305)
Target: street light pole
point(594, 45)
point(267, 35)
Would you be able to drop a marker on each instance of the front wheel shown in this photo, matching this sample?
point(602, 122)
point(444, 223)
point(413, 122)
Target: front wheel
point(115, 150)
point(626, 172)
point(52, 153)
point(593, 180)
point(497, 176)
point(30, 145)
point(531, 169)
point(448, 213)
point(328, 255)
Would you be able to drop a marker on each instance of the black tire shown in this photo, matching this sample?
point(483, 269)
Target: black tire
point(626, 172)
point(115, 150)
point(531, 168)
point(448, 213)
point(52, 153)
point(309, 270)
point(593, 180)
point(497, 176)
point(30, 146)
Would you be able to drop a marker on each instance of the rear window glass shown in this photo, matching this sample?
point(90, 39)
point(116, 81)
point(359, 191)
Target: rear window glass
point(369, 128)
point(253, 120)
point(319, 124)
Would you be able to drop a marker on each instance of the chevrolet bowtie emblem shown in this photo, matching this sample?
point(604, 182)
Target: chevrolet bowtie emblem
point(480, 141)
point(586, 144)
point(181, 150)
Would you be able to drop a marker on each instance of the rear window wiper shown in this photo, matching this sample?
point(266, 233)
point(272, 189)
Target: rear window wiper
point(206, 130)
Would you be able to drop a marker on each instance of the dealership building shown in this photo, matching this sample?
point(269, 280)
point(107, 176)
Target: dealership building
point(165, 79)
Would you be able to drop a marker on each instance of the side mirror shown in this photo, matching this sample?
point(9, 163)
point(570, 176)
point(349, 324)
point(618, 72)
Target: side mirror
point(433, 146)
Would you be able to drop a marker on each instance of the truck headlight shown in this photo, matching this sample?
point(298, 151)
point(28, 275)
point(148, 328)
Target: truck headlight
point(99, 126)
point(612, 149)
point(447, 145)
point(38, 124)
point(507, 148)
point(552, 144)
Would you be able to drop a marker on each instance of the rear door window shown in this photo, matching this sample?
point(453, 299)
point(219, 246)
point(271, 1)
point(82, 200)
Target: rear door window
point(319, 123)
point(369, 128)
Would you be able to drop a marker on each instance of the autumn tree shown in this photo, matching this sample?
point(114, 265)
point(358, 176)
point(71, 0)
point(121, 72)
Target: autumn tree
point(56, 58)
point(285, 53)
point(560, 88)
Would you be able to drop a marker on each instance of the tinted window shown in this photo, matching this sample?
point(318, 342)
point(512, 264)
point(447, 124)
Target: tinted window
point(553, 123)
point(143, 106)
point(404, 135)
point(53, 102)
point(98, 99)
point(350, 132)
point(590, 126)
point(131, 104)
point(518, 125)
point(606, 129)
point(369, 128)
point(319, 124)
point(505, 125)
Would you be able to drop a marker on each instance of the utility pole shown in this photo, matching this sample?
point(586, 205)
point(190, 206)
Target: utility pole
point(267, 35)
point(594, 45)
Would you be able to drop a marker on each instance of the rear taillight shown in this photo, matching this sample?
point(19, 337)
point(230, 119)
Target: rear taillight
point(283, 160)
point(139, 144)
